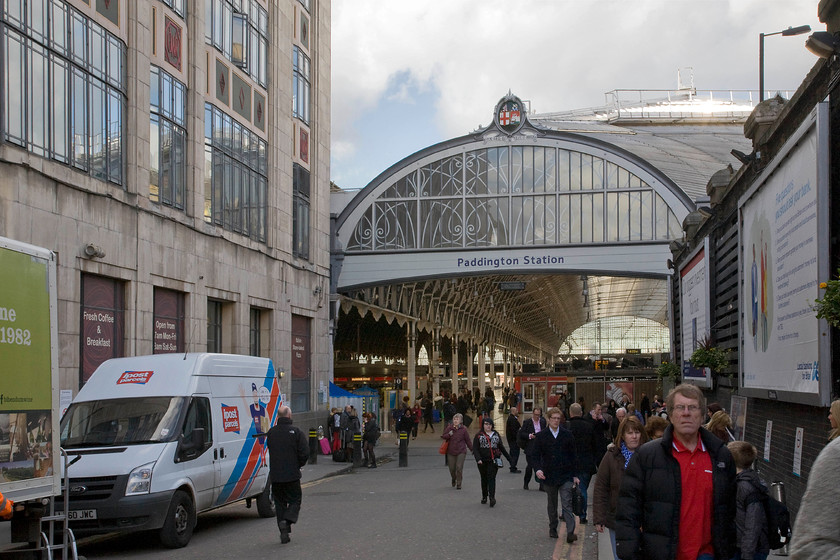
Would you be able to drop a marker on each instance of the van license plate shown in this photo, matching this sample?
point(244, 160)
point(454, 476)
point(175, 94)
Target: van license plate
point(81, 514)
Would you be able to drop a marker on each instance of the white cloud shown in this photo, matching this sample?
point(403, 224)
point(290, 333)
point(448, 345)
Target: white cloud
point(557, 54)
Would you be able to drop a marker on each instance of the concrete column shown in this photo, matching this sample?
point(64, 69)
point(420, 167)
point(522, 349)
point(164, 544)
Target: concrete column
point(454, 364)
point(411, 361)
point(481, 383)
point(435, 359)
point(481, 364)
point(469, 372)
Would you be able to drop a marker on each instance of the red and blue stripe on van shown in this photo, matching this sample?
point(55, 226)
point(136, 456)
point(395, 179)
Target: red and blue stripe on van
point(252, 456)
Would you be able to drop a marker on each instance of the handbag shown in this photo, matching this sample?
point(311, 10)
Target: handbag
point(578, 507)
point(444, 447)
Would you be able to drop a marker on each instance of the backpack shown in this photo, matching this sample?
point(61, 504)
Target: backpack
point(778, 522)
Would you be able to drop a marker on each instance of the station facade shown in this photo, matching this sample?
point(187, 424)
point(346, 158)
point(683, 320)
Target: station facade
point(496, 246)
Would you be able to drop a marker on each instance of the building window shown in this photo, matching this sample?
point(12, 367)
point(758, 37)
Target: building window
point(301, 363)
point(168, 327)
point(239, 30)
point(64, 90)
point(176, 5)
point(214, 325)
point(102, 322)
point(255, 344)
point(300, 85)
point(235, 175)
point(300, 211)
point(168, 139)
point(306, 4)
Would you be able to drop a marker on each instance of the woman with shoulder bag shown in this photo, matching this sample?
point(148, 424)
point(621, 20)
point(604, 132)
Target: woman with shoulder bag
point(456, 453)
point(488, 450)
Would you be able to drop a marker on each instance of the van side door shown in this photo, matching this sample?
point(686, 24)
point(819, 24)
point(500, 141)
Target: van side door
point(193, 453)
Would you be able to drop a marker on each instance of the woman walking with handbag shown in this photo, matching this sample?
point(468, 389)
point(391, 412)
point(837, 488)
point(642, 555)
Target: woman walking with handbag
point(458, 438)
point(488, 450)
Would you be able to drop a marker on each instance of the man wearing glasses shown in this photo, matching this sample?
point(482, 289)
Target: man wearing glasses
point(556, 465)
point(677, 498)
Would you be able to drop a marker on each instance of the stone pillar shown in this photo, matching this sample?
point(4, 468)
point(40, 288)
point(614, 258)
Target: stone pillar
point(435, 359)
point(481, 383)
point(481, 365)
point(454, 364)
point(470, 353)
point(411, 361)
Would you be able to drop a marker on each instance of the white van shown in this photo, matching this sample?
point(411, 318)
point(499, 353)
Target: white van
point(154, 440)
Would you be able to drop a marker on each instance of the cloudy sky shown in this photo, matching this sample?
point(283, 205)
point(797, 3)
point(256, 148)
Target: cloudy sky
point(408, 74)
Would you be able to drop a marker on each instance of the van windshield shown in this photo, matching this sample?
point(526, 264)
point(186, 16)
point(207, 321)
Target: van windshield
point(121, 421)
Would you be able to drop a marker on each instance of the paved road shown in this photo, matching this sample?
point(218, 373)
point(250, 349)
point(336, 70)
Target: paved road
point(385, 513)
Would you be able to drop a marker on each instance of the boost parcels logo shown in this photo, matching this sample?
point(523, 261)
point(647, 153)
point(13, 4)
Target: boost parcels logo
point(230, 418)
point(139, 377)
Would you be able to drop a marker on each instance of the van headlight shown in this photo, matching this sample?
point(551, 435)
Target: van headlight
point(140, 480)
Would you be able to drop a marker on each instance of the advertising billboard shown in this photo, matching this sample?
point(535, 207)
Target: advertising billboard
point(784, 254)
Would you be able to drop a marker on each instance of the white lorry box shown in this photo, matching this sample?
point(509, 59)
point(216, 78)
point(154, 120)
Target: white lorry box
point(154, 440)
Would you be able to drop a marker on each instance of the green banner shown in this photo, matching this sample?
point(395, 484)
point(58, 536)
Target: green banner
point(25, 374)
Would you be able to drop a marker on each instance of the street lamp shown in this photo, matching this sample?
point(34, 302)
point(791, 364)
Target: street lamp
point(790, 31)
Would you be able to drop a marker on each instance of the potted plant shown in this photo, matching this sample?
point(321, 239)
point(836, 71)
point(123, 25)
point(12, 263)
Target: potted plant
point(707, 355)
point(828, 307)
point(668, 371)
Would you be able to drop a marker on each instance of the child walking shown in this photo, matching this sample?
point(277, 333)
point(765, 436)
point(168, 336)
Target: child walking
point(750, 517)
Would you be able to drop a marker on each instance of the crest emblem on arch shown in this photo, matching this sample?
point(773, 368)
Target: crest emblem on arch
point(510, 114)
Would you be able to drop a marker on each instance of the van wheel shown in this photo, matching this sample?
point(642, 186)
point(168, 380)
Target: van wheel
point(265, 502)
point(179, 523)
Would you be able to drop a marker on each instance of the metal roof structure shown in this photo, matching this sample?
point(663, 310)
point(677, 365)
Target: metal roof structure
point(668, 143)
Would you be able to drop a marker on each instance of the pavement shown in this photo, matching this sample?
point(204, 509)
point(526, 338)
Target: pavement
point(590, 545)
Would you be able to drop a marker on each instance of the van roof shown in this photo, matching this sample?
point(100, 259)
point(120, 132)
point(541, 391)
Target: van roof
point(167, 374)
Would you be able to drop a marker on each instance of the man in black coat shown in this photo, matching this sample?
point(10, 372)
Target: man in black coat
point(288, 451)
point(530, 428)
point(512, 427)
point(677, 497)
point(586, 448)
point(556, 465)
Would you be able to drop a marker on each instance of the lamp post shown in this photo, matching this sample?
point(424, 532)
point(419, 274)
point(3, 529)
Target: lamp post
point(790, 31)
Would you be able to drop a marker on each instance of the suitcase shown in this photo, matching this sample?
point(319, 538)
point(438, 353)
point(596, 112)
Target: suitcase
point(435, 416)
point(325, 446)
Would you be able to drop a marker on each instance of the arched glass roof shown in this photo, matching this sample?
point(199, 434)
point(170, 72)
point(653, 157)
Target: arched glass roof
point(521, 195)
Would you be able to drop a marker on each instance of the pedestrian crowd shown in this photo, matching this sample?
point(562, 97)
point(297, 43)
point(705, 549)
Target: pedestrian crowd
point(673, 483)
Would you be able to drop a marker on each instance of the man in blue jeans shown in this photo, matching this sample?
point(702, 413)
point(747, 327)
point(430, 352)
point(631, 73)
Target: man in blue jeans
point(586, 449)
point(556, 466)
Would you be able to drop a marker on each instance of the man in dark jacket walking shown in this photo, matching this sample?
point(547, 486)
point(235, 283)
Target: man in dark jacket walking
point(288, 451)
point(677, 498)
point(555, 467)
point(586, 449)
point(512, 427)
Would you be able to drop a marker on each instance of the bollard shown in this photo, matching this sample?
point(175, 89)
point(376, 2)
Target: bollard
point(403, 449)
point(313, 446)
point(357, 450)
point(777, 491)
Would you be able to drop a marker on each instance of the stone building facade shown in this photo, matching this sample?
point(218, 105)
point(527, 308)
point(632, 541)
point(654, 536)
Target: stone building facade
point(175, 156)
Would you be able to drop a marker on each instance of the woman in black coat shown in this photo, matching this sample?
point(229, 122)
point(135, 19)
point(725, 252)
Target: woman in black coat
point(488, 449)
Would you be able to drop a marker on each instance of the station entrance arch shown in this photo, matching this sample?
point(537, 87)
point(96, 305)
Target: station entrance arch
point(509, 238)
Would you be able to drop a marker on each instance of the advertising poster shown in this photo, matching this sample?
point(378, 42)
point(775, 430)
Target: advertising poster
point(694, 300)
point(779, 241)
point(621, 391)
point(739, 416)
point(26, 382)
